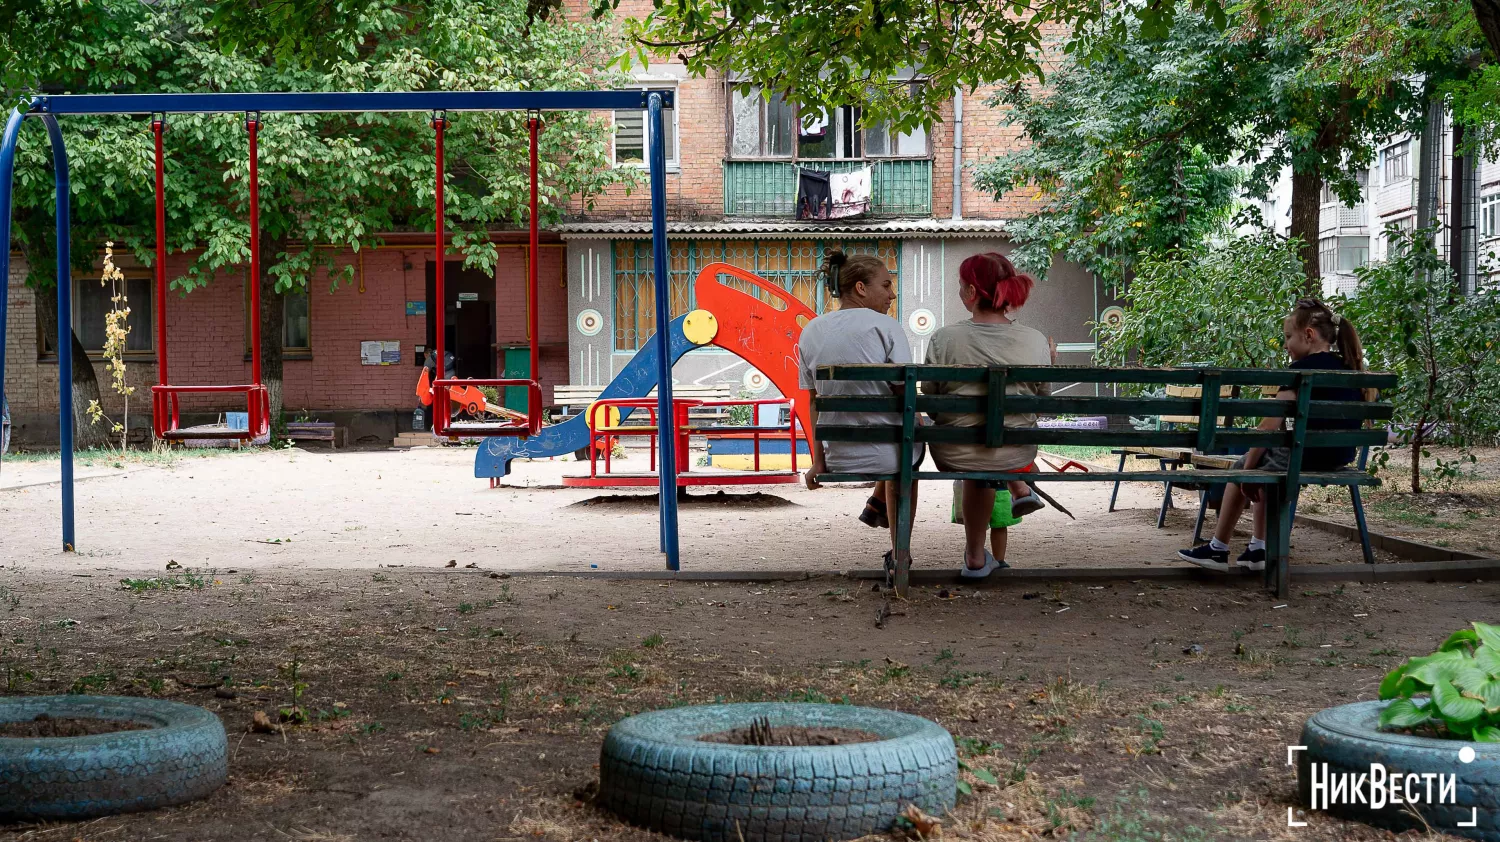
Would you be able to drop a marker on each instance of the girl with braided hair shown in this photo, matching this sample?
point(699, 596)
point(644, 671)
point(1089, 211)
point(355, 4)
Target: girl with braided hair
point(1316, 338)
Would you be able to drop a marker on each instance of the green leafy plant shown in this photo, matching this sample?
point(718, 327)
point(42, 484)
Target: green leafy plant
point(1443, 345)
point(1454, 692)
point(1219, 305)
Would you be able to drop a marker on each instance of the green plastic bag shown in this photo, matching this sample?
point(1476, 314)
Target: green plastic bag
point(999, 516)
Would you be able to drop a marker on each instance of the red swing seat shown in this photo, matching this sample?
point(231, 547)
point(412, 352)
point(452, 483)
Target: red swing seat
point(530, 423)
point(166, 399)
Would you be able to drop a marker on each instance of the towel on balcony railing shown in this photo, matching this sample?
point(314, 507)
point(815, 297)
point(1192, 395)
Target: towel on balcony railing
point(814, 196)
point(851, 193)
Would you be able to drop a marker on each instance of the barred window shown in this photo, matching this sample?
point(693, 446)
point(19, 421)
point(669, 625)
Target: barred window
point(791, 264)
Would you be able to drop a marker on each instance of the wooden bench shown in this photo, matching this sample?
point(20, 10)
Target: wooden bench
point(317, 431)
point(1208, 407)
point(574, 400)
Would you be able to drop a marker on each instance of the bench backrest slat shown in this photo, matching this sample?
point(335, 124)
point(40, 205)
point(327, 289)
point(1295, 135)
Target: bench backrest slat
point(1090, 405)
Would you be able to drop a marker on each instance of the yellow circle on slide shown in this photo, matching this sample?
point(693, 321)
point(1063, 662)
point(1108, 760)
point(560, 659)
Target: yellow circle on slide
point(700, 327)
point(603, 419)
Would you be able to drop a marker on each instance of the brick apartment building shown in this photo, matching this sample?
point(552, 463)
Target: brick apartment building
point(733, 159)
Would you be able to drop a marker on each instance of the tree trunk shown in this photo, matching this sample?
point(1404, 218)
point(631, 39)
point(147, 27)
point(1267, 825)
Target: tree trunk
point(1487, 13)
point(1418, 441)
point(1307, 189)
point(85, 383)
point(272, 323)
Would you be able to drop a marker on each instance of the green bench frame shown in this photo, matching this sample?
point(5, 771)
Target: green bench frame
point(1280, 487)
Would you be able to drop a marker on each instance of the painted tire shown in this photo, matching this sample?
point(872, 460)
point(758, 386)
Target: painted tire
point(182, 756)
point(654, 772)
point(4, 425)
point(1348, 739)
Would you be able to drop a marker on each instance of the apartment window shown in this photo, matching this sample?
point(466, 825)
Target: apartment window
point(631, 145)
point(771, 128)
point(1361, 177)
point(1328, 255)
point(1354, 252)
point(882, 142)
point(790, 264)
point(1489, 216)
point(760, 127)
point(91, 301)
point(1329, 197)
point(296, 324)
point(1397, 161)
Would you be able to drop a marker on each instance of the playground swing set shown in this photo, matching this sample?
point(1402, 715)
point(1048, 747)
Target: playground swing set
point(166, 397)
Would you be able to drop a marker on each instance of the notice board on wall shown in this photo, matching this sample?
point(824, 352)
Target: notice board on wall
point(380, 352)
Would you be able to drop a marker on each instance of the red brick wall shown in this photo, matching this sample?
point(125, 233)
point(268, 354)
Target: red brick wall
point(697, 192)
point(206, 335)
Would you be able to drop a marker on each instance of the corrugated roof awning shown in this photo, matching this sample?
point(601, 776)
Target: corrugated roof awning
point(747, 229)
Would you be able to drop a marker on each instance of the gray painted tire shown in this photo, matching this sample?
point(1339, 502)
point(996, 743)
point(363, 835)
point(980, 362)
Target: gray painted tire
point(654, 772)
point(182, 756)
point(1348, 739)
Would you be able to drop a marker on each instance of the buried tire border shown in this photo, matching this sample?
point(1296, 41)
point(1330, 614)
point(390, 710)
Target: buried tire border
point(654, 772)
point(181, 756)
point(1348, 738)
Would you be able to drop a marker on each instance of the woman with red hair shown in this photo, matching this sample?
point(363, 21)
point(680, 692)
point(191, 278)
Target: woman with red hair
point(991, 290)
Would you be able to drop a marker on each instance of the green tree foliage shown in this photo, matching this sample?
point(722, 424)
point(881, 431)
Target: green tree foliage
point(1444, 346)
point(827, 53)
point(325, 179)
point(1216, 304)
point(1135, 147)
point(1120, 156)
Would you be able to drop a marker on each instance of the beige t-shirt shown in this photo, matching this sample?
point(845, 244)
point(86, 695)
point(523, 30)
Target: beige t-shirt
point(968, 343)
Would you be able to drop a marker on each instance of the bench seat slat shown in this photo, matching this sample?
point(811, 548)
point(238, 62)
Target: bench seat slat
point(1350, 477)
point(1186, 439)
point(1092, 374)
point(1088, 405)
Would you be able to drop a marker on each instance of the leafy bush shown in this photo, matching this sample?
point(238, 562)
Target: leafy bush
point(1455, 691)
point(1218, 304)
point(1444, 345)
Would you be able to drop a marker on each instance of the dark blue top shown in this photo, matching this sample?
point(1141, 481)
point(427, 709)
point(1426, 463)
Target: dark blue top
point(1329, 458)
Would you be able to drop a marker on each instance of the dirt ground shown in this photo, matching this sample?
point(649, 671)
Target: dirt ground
point(1461, 511)
point(453, 705)
point(423, 508)
point(428, 702)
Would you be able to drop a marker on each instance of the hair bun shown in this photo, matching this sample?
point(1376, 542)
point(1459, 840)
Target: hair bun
point(837, 258)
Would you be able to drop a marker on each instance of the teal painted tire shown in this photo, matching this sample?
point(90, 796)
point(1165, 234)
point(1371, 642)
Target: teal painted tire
point(1348, 738)
point(182, 756)
point(654, 772)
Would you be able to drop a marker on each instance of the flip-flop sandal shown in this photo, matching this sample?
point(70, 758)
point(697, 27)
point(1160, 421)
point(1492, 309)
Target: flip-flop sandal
point(990, 566)
point(1023, 506)
point(874, 514)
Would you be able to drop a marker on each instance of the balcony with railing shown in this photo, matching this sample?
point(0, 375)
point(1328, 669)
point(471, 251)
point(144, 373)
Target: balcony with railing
point(898, 186)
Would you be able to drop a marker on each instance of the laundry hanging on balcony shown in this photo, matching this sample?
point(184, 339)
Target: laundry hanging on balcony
point(851, 193)
point(814, 196)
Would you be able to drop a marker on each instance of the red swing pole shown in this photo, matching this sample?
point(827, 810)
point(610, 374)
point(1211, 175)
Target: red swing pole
point(158, 405)
point(158, 126)
point(533, 394)
point(252, 125)
point(440, 408)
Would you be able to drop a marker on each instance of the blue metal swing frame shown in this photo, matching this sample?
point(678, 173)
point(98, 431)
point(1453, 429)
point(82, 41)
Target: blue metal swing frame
point(49, 108)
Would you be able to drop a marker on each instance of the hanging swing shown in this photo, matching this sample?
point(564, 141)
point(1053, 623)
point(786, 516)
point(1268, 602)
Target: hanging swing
point(165, 398)
point(511, 423)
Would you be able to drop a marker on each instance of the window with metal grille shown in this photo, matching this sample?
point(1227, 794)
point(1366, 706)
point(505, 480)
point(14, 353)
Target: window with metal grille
point(791, 264)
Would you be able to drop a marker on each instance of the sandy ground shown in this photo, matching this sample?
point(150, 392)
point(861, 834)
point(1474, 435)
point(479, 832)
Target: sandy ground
point(422, 508)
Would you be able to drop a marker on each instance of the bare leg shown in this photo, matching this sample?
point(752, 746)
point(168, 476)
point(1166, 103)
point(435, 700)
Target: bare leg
point(999, 539)
point(978, 502)
point(1018, 490)
point(893, 506)
point(1230, 511)
point(1259, 519)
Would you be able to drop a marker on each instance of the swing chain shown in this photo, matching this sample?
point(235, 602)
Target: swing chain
point(439, 119)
